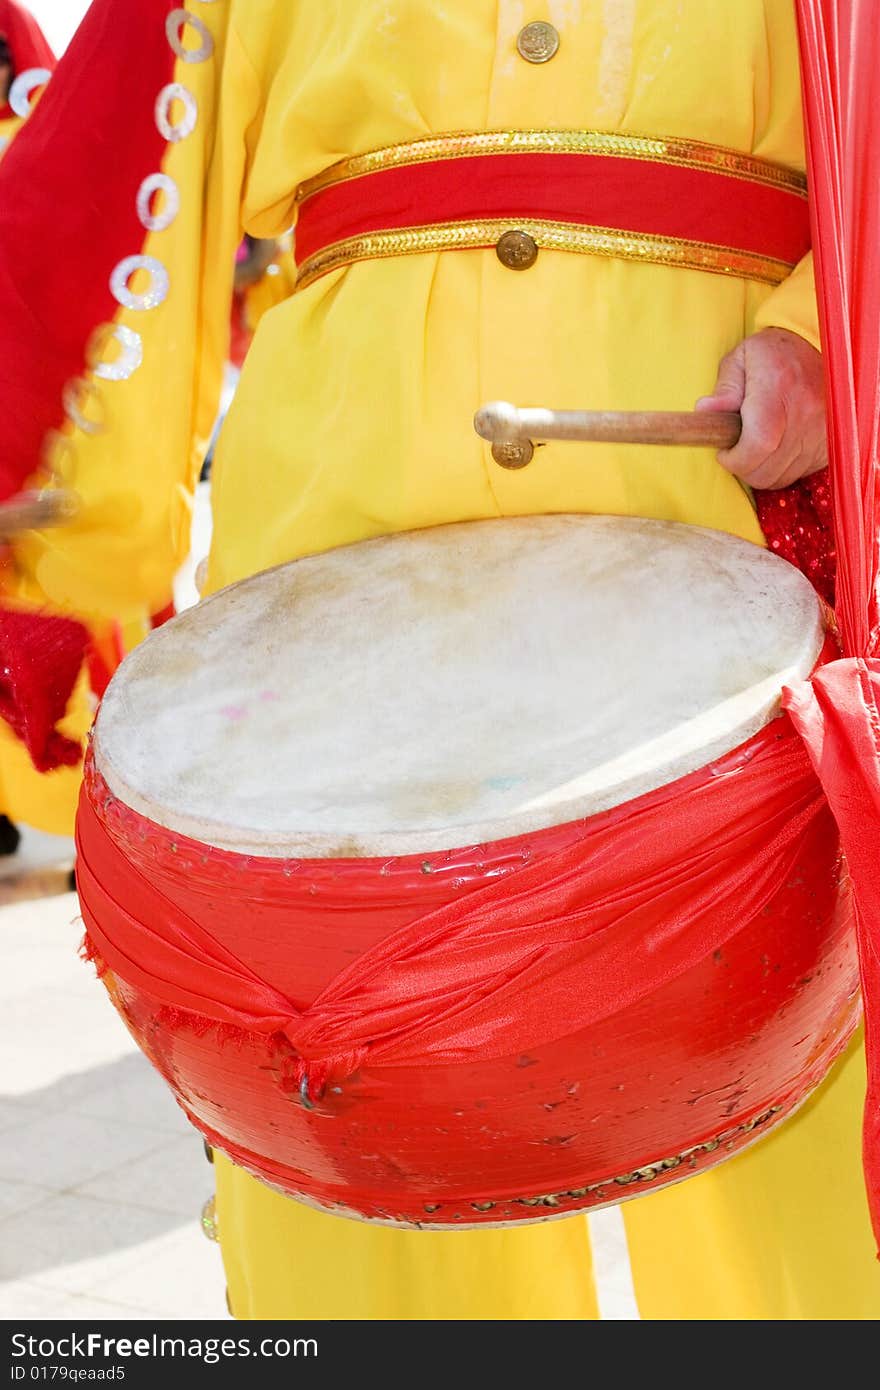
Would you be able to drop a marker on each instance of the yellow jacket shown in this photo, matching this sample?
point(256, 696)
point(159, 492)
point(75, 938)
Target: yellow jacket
point(353, 417)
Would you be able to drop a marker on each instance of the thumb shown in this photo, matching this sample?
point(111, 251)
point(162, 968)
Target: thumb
point(730, 386)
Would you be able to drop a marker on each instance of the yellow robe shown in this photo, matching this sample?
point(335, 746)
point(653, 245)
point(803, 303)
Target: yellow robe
point(354, 418)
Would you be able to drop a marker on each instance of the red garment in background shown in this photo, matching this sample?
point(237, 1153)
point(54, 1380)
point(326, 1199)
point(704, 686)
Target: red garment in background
point(40, 657)
point(50, 304)
point(27, 43)
point(68, 142)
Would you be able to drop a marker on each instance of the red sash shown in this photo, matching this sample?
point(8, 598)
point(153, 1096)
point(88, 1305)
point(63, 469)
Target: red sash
point(666, 201)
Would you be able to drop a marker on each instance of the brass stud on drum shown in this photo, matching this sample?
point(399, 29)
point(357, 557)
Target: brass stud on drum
point(514, 455)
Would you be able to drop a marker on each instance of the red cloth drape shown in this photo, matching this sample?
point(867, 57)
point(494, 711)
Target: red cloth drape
point(40, 657)
point(838, 712)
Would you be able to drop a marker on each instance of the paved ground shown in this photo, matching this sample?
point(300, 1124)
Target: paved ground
point(101, 1178)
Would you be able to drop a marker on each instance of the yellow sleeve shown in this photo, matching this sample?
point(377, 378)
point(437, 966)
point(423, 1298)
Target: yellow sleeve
point(132, 448)
point(792, 304)
point(779, 134)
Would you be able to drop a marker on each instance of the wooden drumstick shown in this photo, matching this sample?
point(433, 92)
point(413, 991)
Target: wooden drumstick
point(513, 432)
point(35, 511)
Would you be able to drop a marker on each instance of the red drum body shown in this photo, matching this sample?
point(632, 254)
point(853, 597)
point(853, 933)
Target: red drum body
point(666, 1083)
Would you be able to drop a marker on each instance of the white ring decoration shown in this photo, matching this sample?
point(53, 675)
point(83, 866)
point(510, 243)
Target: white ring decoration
point(148, 299)
point(72, 397)
point(158, 221)
point(126, 363)
point(21, 89)
point(175, 91)
point(173, 25)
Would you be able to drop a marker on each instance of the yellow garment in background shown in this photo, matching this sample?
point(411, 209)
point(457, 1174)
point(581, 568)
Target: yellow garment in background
point(353, 419)
point(9, 128)
point(114, 565)
point(47, 802)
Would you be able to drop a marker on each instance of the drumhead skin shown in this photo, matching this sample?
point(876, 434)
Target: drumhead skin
point(455, 685)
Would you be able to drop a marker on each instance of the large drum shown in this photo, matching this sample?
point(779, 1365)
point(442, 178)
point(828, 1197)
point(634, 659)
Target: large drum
point(472, 875)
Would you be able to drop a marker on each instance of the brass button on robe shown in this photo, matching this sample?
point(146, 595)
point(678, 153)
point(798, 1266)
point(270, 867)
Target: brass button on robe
point(516, 250)
point(537, 42)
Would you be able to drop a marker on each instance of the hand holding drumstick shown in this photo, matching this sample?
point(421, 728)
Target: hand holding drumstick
point(766, 417)
point(774, 379)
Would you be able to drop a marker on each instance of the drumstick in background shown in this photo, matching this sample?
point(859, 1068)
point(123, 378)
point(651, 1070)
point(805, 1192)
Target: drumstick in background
point(513, 432)
point(34, 511)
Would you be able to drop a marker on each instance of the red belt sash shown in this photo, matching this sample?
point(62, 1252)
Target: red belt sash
point(667, 201)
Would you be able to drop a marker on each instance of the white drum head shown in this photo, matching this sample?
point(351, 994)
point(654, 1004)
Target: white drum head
point(445, 687)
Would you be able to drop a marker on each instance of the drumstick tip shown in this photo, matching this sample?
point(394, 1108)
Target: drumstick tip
point(497, 422)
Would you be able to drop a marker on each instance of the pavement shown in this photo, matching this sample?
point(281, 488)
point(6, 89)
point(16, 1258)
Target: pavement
point(102, 1179)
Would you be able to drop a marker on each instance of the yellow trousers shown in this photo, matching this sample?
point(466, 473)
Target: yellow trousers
point(780, 1232)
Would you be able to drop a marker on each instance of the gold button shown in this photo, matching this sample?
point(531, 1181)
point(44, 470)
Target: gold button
point(514, 455)
point(517, 250)
point(537, 42)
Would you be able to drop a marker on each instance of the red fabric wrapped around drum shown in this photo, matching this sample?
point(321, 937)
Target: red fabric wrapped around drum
point(472, 876)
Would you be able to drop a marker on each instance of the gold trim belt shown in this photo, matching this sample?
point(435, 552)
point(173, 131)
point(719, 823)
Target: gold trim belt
point(666, 202)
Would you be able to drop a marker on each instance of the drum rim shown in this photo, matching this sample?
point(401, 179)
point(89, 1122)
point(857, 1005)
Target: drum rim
point(398, 842)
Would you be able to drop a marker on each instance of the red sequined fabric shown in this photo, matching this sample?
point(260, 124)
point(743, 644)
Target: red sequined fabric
point(798, 524)
point(40, 659)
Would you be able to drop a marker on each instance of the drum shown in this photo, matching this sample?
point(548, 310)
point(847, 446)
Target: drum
point(472, 875)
